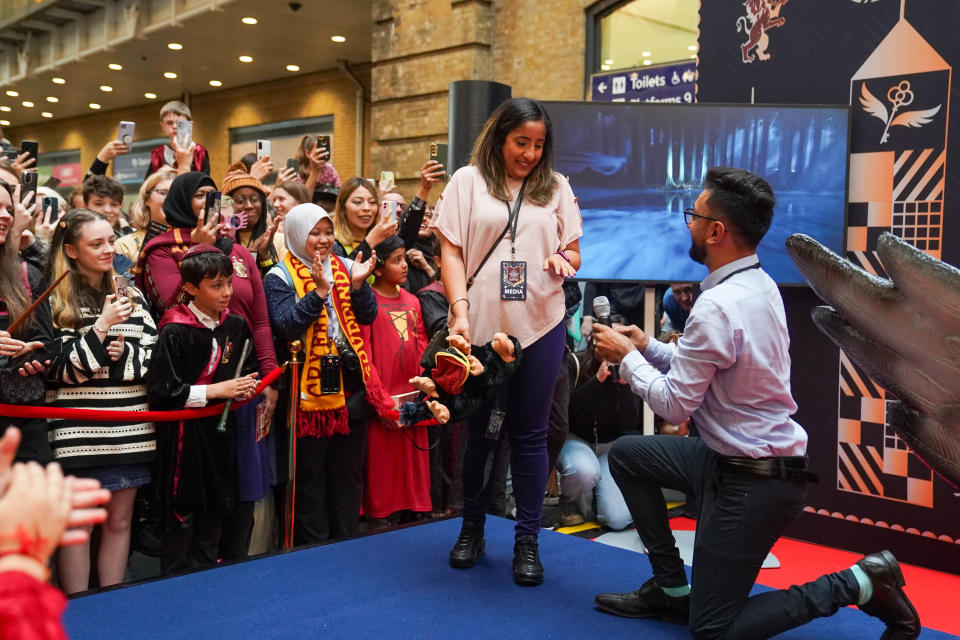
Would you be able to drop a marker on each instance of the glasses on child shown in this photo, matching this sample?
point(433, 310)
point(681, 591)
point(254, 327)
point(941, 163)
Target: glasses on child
point(242, 201)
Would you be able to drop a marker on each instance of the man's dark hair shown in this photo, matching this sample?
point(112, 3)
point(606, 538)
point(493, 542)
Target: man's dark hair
point(211, 264)
point(102, 186)
point(743, 199)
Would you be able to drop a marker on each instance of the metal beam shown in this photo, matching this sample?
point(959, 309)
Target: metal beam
point(9, 34)
point(66, 14)
point(38, 25)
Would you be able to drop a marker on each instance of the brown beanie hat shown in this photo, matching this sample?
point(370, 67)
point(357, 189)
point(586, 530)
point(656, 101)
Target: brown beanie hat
point(237, 176)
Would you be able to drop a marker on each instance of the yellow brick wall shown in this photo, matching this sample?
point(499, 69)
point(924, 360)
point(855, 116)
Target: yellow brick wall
point(215, 113)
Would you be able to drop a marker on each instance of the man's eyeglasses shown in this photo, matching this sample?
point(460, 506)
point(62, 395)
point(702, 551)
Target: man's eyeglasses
point(690, 214)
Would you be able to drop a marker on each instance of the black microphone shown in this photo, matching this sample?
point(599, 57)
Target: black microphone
point(601, 310)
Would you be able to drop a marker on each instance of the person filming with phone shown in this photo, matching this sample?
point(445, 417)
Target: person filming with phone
point(512, 224)
point(182, 153)
point(748, 468)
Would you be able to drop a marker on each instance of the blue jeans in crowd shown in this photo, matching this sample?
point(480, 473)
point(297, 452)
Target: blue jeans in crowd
point(582, 471)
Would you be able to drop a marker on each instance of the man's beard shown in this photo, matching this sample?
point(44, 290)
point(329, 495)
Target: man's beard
point(698, 253)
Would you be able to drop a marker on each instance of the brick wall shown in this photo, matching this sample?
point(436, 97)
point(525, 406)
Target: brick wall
point(420, 46)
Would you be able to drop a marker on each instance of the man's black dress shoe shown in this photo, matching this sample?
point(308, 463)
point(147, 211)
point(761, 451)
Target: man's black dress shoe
point(888, 602)
point(649, 601)
point(469, 546)
point(527, 569)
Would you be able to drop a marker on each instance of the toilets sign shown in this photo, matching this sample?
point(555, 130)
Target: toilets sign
point(666, 83)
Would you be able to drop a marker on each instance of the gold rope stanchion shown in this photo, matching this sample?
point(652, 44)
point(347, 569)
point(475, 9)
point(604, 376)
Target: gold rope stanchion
point(294, 403)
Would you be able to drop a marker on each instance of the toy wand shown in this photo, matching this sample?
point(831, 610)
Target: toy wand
point(222, 425)
point(36, 303)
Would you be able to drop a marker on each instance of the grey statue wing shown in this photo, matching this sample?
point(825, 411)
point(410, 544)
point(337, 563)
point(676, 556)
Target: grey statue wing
point(904, 332)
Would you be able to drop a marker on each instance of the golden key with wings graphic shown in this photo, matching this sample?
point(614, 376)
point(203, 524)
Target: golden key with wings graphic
point(899, 95)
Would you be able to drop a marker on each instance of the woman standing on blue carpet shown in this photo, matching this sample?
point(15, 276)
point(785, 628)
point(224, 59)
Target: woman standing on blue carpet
point(510, 225)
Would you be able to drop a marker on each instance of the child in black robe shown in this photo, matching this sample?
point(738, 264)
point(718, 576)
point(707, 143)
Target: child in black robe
point(194, 362)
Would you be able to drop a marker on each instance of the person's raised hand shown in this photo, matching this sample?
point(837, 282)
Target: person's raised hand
point(417, 259)
point(285, 175)
point(23, 162)
point(184, 156)
point(559, 266)
point(206, 231)
point(319, 277)
point(22, 212)
point(318, 157)
point(362, 269)
point(44, 226)
point(114, 311)
point(34, 510)
point(261, 168)
point(111, 150)
point(430, 174)
point(261, 246)
point(381, 231)
point(610, 344)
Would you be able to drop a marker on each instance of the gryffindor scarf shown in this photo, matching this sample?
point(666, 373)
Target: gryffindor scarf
point(324, 415)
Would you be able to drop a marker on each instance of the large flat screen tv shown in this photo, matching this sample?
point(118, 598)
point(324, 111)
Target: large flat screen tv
point(636, 166)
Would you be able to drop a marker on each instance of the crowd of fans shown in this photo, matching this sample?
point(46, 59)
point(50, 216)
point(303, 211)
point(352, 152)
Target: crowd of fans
point(153, 306)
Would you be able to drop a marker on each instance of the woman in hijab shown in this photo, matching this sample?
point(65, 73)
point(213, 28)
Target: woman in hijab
point(322, 299)
point(158, 276)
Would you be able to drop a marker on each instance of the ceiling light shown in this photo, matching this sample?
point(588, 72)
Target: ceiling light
point(216, 83)
point(115, 66)
point(293, 67)
point(27, 104)
point(93, 105)
point(170, 75)
point(249, 20)
point(608, 62)
point(5, 108)
point(4, 123)
point(53, 99)
point(58, 81)
point(645, 54)
point(646, 62)
point(692, 47)
point(245, 59)
point(46, 114)
point(106, 88)
point(338, 38)
point(174, 46)
point(12, 94)
point(149, 95)
point(604, 67)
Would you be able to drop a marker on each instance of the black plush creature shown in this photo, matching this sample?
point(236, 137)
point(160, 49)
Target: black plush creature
point(462, 379)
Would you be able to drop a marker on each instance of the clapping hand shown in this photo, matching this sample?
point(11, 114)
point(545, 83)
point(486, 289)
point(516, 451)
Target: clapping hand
point(261, 246)
point(319, 278)
point(361, 269)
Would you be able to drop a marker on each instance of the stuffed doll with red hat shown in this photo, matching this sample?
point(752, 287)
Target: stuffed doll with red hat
point(461, 379)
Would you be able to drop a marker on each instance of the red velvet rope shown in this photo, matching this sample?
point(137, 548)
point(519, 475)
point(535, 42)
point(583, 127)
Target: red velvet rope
point(104, 415)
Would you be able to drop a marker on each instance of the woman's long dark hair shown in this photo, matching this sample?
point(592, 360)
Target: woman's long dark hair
point(12, 290)
point(488, 151)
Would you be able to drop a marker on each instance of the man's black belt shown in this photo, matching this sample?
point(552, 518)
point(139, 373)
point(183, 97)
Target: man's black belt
point(786, 468)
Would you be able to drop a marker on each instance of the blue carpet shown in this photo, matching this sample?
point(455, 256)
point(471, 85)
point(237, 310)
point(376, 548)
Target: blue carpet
point(398, 585)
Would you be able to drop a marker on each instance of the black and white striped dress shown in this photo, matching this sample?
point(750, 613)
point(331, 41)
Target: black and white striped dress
point(84, 377)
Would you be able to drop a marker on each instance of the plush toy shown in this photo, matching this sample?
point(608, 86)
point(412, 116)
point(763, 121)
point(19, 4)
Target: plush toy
point(461, 379)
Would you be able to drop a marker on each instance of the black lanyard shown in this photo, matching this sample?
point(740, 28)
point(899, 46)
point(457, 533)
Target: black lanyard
point(730, 275)
point(513, 217)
